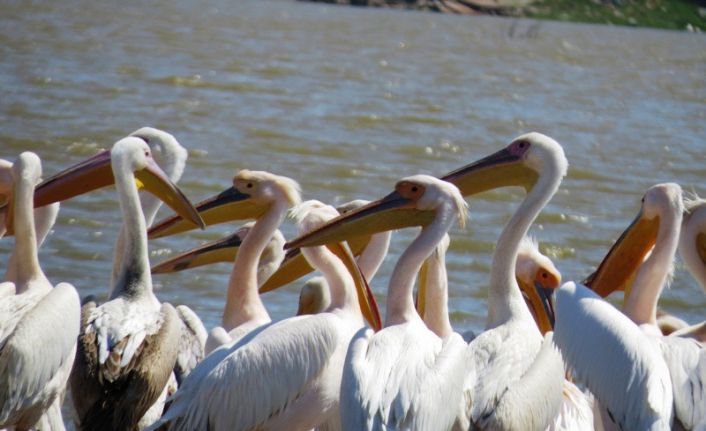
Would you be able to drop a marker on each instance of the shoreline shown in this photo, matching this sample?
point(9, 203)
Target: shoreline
point(683, 15)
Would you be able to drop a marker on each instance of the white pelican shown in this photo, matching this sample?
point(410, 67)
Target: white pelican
point(39, 324)
point(44, 219)
point(171, 158)
point(273, 195)
point(285, 375)
point(528, 394)
point(635, 349)
point(405, 376)
point(685, 358)
point(128, 346)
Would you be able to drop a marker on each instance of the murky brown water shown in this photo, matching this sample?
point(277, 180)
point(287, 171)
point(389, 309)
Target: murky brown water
point(347, 101)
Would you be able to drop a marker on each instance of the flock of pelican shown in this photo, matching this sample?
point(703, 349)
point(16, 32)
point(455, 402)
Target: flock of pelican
point(134, 363)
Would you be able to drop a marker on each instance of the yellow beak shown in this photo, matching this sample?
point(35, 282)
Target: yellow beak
point(229, 205)
point(618, 268)
point(366, 299)
point(394, 212)
point(155, 181)
point(222, 250)
point(295, 266)
point(541, 304)
point(96, 172)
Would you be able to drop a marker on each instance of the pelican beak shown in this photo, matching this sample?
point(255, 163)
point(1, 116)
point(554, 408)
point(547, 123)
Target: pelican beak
point(91, 174)
point(295, 266)
point(500, 169)
point(377, 216)
point(619, 266)
point(222, 250)
point(422, 290)
point(155, 181)
point(229, 205)
point(83, 177)
point(541, 302)
point(366, 299)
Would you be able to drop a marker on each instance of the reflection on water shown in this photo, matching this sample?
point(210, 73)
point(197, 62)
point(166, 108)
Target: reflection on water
point(347, 101)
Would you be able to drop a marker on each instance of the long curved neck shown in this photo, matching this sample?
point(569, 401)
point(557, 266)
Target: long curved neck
point(150, 205)
point(340, 283)
point(436, 316)
point(243, 303)
point(372, 256)
point(26, 263)
point(44, 218)
point(133, 278)
point(641, 304)
point(400, 302)
point(690, 229)
point(504, 298)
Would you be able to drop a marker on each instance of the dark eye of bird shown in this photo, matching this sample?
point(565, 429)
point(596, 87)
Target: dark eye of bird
point(249, 185)
point(414, 189)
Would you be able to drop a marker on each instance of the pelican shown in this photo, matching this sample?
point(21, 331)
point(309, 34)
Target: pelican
point(685, 359)
point(405, 376)
point(272, 196)
point(528, 394)
point(44, 219)
point(38, 324)
point(171, 158)
point(642, 361)
point(294, 364)
point(127, 347)
point(692, 248)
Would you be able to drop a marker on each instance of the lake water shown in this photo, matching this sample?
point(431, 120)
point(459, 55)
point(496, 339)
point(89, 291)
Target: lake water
point(347, 101)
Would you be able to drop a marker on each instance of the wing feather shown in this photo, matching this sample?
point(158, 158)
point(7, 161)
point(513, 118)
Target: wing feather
point(612, 356)
point(191, 343)
point(686, 360)
point(403, 377)
point(117, 399)
point(242, 386)
point(40, 344)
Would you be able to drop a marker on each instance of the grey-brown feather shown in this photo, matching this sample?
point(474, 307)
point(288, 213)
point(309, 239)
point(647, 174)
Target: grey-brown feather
point(102, 404)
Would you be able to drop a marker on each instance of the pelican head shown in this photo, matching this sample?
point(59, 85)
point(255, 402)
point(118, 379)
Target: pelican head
point(312, 214)
point(252, 194)
point(225, 250)
point(518, 164)
point(537, 277)
point(27, 169)
point(166, 150)
point(95, 172)
point(619, 267)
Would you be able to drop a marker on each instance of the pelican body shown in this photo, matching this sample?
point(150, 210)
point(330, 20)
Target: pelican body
point(38, 323)
point(295, 364)
point(127, 347)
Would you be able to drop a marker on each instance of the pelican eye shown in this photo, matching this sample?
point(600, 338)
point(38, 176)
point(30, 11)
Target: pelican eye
point(249, 185)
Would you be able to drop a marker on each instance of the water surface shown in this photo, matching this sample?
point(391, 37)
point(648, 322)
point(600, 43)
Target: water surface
point(347, 101)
